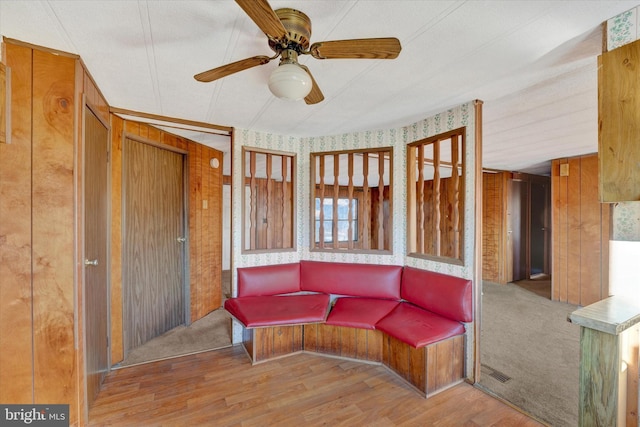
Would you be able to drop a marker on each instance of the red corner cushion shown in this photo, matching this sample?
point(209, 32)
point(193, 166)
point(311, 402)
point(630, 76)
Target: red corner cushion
point(269, 280)
point(446, 295)
point(278, 310)
point(361, 313)
point(361, 280)
point(417, 327)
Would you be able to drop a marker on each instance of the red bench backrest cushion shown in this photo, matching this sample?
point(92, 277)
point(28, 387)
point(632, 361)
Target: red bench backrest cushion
point(268, 280)
point(363, 280)
point(448, 296)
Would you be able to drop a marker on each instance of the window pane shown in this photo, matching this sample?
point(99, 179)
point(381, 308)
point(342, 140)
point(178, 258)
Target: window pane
point(347, 186)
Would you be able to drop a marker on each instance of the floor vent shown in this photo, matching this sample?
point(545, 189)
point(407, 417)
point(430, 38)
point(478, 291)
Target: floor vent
point(503, 378)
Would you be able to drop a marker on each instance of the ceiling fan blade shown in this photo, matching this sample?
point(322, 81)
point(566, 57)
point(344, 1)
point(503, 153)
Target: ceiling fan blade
point(315, 95)
point(234, 67)
point(379, 48)
point(265, 18)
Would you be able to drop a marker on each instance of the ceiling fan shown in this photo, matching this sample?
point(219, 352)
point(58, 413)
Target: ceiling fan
point(289, 34)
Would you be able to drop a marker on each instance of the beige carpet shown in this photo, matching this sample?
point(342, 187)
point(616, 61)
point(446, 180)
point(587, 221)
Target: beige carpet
point(211, 332)
point(530, 353)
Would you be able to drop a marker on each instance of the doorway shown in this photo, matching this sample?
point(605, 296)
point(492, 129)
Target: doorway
point(529, 219)
point(154, 241)
point(96, 252)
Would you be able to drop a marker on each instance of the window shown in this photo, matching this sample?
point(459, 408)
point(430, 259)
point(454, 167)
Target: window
point(347, 228)
point(435, 197)
point(269, 200)
point(351, 200)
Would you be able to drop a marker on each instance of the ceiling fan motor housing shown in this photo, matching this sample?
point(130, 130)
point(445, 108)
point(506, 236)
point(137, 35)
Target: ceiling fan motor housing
point(298, 26)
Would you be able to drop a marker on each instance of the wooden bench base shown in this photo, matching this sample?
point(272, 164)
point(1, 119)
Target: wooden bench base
point(429, 369)
point(272, 342)
point(361, 344)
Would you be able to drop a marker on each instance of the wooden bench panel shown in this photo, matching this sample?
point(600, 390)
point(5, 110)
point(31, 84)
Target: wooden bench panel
point(430, 369)
point(362, 344)
point(272, 342)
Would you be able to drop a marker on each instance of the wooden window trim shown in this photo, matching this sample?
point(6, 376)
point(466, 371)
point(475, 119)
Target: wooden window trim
point(417, 246)
point(362, 193)
point(288, 188)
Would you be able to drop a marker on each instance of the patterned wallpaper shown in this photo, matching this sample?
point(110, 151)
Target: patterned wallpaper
point(463, 115)
point(623, 29)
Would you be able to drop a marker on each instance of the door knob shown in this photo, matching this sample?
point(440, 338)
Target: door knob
point(93, 262)
point(181, 239)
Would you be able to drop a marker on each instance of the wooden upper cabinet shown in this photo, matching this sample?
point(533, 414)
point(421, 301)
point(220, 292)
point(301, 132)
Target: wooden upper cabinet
point(619, 124)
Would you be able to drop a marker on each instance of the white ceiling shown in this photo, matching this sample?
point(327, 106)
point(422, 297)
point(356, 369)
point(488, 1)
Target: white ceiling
point(533, 63)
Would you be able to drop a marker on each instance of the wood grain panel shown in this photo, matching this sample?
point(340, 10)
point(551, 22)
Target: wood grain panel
point(94, 97)
point(598, 378)
point(205, 206)
point(117, 344)
point(555, 227)
point(374, 345)
point(590, 212)
point(54, 117)
point(494, 227)
point(5, 108)
point(153, 282)
point(618, 120)
point(277, 341)
point(200, 284)
point(94, 295)
point(430, 369)
point(444, 363)
point(16, 373)
point(574, 232)
point(581, 231)
point(431, 374)
point(355, 343)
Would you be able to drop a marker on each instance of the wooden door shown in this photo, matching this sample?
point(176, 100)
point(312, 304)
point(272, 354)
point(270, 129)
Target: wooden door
point(517, 231)
point(540, 222)
point(153, 243)
point(96, 257)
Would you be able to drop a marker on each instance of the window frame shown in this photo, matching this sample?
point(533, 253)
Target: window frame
point(246, 205)
point(413, 210)
point(383, 157)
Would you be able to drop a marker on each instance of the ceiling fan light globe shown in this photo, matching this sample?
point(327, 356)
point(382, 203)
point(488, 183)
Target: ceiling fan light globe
point(289, 81)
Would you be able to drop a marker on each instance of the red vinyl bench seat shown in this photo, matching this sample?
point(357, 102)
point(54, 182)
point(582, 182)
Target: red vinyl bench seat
point(408, 319)
point(272, 310)
point(417, 327)
point(357, 312)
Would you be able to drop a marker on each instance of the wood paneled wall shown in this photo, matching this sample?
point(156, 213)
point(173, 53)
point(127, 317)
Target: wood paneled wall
point(40, 232)
point(41, 290)
point(16, 331)
point(494, 227)
point(205, 229)
point(5, 94)
point(204, 217)
point(581, 230)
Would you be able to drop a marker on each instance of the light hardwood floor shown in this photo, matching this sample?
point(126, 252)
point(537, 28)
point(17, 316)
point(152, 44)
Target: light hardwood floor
point(221, 388)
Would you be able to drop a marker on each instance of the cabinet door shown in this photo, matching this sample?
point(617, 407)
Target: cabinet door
point(619, 123)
